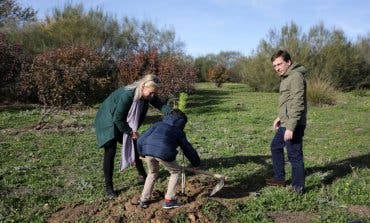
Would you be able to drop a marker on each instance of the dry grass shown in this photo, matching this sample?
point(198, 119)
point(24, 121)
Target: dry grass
point(321, 92)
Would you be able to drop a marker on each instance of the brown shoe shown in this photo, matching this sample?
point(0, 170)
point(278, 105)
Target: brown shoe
point(275, 182)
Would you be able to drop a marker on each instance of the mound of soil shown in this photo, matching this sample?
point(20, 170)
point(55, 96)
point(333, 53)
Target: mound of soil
point(292, 217)
point(125, 209)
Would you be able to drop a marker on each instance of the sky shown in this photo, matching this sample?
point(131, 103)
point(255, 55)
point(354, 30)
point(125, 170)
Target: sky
point(212, 26)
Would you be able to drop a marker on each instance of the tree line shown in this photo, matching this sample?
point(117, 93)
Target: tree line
point(79, 56)
point(327, 53)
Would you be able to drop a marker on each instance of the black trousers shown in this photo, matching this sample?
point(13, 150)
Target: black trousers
point(110, 149)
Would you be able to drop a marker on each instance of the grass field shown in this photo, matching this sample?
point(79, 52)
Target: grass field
point(44, 170)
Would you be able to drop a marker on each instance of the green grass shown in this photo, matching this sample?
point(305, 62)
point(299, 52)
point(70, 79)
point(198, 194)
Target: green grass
point(230, 127)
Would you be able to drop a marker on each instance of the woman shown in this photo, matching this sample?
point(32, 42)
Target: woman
point(119, 117)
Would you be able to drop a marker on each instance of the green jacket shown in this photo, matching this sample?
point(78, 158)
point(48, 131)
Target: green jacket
point(292, 108)
point(110, 121)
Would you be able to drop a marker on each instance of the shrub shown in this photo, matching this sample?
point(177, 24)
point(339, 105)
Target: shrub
point(203, 64)
point(176, 74)
point(320, 92)
point(133, 67)
point(218, 74)
point(69, 75)
point(11, 60)
point(360, 92)
point(259, 75)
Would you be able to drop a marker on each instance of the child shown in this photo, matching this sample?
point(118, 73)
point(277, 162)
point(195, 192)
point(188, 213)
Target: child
point(158, 145)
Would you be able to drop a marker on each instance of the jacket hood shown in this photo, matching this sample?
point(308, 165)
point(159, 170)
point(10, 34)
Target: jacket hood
point(175, 120)
point(299, 68)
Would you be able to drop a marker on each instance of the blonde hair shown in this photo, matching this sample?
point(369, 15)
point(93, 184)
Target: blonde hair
point(149, 80)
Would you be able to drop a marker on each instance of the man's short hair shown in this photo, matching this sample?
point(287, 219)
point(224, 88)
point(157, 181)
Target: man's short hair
point(281, 53)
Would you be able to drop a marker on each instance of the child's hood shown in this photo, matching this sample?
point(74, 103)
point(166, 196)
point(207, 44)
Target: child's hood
point(175, 120)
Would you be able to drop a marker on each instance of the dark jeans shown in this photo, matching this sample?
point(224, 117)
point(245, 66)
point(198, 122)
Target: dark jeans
point(295, 156)
point(110, 149)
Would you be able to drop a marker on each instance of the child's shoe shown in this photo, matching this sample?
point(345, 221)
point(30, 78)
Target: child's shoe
point(171, 204)
point(143, 204)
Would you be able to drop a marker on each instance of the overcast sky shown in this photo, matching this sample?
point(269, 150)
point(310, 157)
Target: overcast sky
point(211, 26)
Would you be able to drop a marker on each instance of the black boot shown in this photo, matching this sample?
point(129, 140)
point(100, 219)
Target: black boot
point(108, 166)
point(110, 193)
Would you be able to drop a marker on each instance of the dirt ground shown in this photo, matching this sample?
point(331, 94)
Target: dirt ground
point(291, 217)
point(125, 209)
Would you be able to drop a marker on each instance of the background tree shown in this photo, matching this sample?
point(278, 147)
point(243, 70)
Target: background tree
point(73, 25)
point(68, 26)
point(11, 11)
point(363, 48)
point(341, 63)
point(363, 45)
point(227, 59)
point(103, 34)
point(256, 71)
point(140, 46)
point(12, 59)
point(176, 74)
point(203, 64)
point(327, 54)
point(218, 74)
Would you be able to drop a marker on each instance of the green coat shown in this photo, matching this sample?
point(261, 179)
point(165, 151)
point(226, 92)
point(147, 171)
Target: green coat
point(110, 120)
point(292, 101)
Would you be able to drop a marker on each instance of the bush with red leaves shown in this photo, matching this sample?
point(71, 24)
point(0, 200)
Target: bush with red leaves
point(218, 74)
point(176, 74)
point(69, 75)
point(11, 59)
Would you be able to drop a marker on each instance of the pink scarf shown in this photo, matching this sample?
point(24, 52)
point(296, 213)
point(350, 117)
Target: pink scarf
point(128, 150)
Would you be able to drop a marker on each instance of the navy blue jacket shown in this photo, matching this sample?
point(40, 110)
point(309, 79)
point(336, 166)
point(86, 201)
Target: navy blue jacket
point(162, 139)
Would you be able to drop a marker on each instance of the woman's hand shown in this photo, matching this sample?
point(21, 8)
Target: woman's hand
point(134, 135)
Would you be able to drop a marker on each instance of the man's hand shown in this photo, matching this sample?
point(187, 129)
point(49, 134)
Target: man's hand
point(288, 135)
point(276, 124)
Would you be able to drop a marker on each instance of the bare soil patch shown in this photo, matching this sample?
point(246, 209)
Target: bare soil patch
point(360, 210)
point(65, 126)
point(291, 217)
point(125, 209)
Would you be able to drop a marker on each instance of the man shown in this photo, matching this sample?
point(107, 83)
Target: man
point(290, 123)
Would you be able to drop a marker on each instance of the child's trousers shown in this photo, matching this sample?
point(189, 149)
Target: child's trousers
point(153, 168)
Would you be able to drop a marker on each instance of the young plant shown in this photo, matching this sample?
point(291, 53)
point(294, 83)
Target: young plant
point(182, 101)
